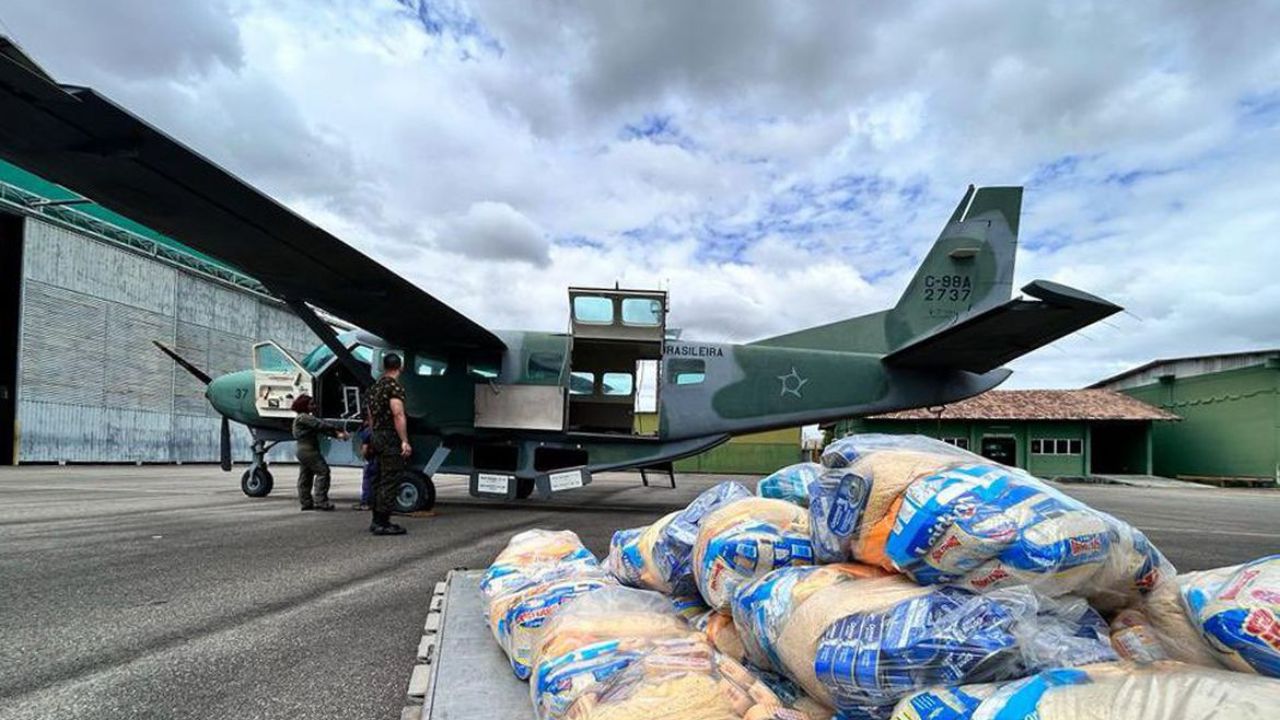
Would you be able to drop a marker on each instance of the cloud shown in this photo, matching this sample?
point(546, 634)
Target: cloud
point(495, 231)
point(773, 164)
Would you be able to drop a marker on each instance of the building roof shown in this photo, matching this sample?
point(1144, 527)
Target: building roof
point(1040, 405)
point(1209, 363)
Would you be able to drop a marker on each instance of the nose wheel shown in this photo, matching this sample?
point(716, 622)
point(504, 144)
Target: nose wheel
point(257, 482)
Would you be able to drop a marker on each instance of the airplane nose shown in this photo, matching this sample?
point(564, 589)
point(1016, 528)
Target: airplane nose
point(231, 395)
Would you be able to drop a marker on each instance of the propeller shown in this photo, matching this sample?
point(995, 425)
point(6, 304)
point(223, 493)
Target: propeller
point(225, 449)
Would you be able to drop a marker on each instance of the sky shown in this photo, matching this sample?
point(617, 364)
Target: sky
point(774, 165)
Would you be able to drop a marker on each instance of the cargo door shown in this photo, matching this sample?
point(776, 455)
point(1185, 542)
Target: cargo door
point(278, 380)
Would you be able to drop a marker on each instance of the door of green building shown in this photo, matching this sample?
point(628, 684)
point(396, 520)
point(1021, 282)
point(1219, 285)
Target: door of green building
point(1000, 448)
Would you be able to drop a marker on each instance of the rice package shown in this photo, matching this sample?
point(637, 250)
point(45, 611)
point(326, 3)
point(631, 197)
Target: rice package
point(858, 643)
point(1108, 691)
point(747, 539)
point(658, 556)
point(531, 578)
point(683, 682)
point(1227, 617)
point(943, 515)
point(597, 636)
point(791, 483)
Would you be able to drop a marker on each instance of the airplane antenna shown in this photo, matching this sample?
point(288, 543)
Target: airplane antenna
point(1133, 315)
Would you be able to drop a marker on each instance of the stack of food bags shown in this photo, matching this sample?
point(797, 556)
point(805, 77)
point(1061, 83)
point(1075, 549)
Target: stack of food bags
point(744, 540)
point(1227, 617)
point(659, 556)
point(1108, 691)
point(857, 641)
point(537, 572)
point(942, 515)
point(791, 483)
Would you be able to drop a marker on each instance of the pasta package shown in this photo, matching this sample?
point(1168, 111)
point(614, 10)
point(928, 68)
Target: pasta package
point(596, 636)
point(659, 556)
point(1108, 691)
point(748, 539)
point(688, 682)
point(537, 572)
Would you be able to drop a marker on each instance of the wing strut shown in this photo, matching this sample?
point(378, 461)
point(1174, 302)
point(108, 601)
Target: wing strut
point(330, 339)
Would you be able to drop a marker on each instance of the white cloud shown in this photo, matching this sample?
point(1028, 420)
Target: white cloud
point(786, 164)
point(495, 231)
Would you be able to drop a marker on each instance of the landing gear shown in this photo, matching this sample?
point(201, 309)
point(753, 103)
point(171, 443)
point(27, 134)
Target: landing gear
point(416, 492)
point(257, 480)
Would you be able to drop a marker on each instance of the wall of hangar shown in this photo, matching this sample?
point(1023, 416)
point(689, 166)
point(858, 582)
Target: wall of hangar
point(91, 386)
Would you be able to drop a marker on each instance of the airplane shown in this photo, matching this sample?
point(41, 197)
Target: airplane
point(522, 412)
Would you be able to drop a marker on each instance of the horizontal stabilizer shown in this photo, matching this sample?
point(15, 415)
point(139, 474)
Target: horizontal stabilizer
point(988, 339)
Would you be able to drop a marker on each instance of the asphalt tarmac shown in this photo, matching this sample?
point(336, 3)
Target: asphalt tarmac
point(163, 592)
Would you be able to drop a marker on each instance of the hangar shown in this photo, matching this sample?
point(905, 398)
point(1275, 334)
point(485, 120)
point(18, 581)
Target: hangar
point(85, 291)
point(1050, 433)
point(1230, 409)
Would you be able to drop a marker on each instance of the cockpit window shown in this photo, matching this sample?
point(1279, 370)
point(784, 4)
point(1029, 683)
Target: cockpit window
point(428, 366)
point(317, 359)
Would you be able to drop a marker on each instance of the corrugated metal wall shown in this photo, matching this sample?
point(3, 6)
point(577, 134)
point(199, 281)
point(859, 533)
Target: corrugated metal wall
point(92, 388)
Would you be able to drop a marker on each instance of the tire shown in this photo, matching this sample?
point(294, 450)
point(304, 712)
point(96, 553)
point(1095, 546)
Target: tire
point(524, 488)
point(256, 482)
point(416, 492)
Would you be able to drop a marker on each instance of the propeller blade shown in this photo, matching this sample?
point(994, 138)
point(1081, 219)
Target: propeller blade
point(226, 444)
point(186, 364)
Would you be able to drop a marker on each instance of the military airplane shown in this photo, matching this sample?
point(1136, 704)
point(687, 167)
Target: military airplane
point(525, 412)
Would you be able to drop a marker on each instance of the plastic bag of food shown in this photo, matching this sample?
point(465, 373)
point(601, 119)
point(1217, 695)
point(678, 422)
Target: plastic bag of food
point(658, 556)
point(1108, 691)
point(531, 578)
point(748, 539)
point(858, 644)
point(791, 483)
point(760, 607)
point(1227, 617)
point(683, 682)
point(535, 556)
point(689, 607)
point(943, 515)
point(595, 636)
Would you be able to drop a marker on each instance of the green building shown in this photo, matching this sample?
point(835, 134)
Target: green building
point(754, 454)
point(1230, 409)
point(1050, 433)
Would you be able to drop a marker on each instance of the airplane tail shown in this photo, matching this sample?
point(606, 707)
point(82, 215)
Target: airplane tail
point(957, 311)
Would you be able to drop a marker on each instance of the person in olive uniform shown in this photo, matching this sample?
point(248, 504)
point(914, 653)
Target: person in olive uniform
point(390, 441)
point(313, 471)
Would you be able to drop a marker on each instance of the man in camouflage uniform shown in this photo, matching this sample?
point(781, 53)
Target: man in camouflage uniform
point(390, 441)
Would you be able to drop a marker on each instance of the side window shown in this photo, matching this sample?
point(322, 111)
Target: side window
point(544, 365)
point(641, 311)
point(686, 371)
point(617, 383)
point(427, 366)
point(1075, 448)
point(593, 309)
point(960, 442)
point(363, 353)
point(267, 357)
point(582, 383)
point(1036, 447)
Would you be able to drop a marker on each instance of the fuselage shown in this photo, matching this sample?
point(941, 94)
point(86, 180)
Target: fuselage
point(703, 393)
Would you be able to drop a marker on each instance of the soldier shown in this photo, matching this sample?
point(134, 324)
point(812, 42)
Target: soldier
point(390, 442)
point(313, 471)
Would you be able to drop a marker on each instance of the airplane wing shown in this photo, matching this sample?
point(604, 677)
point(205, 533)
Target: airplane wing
point(988, 339)
point(79, 139)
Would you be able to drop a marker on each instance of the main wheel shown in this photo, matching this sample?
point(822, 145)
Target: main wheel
point(524, 488)
point(415, 492)
point(257, 482)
